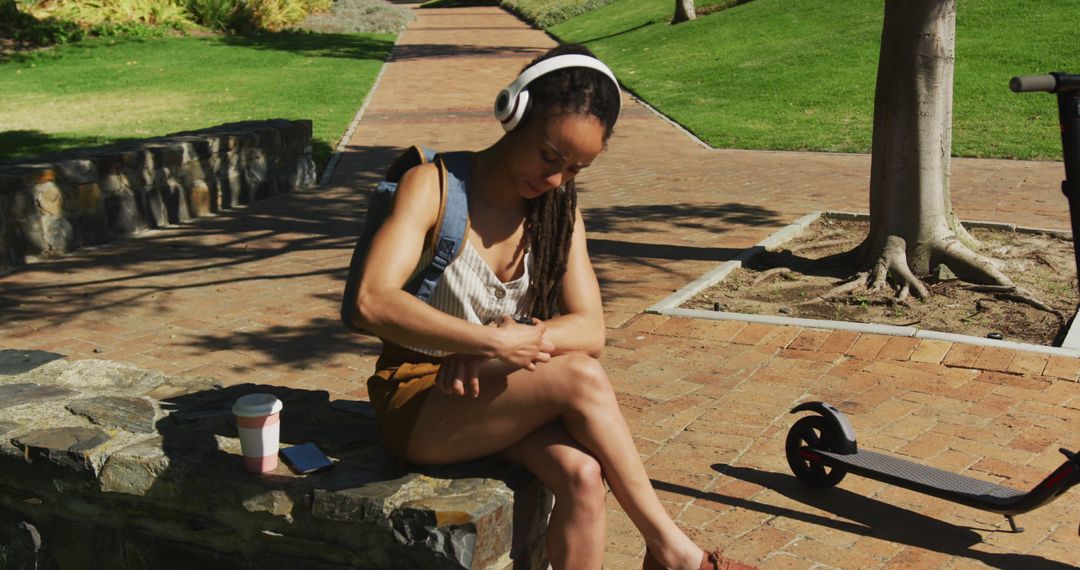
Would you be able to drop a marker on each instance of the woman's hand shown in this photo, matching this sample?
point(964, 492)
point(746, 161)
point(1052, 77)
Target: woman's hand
point(459, 374)
point(523, 346)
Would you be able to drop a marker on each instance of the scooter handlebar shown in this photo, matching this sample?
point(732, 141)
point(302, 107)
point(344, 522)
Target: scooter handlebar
point(1023, 83)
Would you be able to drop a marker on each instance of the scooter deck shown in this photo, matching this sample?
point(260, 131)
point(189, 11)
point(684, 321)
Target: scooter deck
point(909, 474)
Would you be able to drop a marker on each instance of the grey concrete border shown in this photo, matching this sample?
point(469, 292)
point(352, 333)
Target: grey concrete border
point(716, 275)
point(670, 305)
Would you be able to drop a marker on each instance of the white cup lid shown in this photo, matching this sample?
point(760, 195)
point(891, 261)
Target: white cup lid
point(256, 405)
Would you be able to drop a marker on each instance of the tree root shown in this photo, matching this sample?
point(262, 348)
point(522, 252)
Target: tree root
point(834, 294)
point(1014, 293)
point(891, 264)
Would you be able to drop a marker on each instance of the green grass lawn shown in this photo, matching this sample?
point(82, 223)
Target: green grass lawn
point(800, 74)
point(107, 89)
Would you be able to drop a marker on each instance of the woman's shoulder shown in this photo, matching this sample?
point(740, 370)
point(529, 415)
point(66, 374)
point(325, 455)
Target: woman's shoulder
point(418, 192)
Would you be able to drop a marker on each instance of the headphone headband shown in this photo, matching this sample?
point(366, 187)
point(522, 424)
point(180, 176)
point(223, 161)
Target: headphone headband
point(511, 101)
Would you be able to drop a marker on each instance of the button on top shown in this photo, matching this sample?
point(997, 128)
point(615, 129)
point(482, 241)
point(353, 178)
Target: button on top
point(500, 292)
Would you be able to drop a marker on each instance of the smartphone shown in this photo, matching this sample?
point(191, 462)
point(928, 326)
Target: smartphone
point(306, 458)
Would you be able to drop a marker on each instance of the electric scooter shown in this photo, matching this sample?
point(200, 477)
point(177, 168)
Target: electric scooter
point(1067, 88)
point(821, 450)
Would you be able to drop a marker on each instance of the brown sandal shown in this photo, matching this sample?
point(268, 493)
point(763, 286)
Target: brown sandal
point(714, 561)
point(709, 561)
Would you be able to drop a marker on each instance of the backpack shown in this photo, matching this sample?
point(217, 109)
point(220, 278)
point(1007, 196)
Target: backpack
point(449, 233)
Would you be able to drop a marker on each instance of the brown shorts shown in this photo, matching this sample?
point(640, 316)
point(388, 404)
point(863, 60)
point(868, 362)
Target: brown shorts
point(402, 381)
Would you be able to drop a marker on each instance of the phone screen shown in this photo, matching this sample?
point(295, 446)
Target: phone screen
point(306, 458)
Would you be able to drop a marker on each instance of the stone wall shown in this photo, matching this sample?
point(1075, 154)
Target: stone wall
point(50, 205)
point(103, 465)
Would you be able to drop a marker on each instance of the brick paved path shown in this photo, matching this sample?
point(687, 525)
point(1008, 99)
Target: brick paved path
point(251, 296)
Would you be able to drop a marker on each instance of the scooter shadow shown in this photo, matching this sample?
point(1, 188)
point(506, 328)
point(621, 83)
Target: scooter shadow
point(866, 516)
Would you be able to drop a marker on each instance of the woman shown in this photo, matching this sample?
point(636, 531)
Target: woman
point(462, 378)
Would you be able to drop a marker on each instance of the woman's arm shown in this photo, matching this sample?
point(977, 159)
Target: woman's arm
point(391, 313)
point(580, 325)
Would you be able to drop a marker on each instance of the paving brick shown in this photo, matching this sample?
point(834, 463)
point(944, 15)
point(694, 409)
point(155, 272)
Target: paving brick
point(780, 336)
point(723, 331)
point(752, 333)
point(994, 358)
point(963, 355)
point(1034, 439)
point(926, 444)
point(912, 557)
point(839, 341)
point(898, 348)
point(931, 351)
point(833, 556)
point(1066, 367)
point(867, 346)
point(758, 543)
point(809, 340)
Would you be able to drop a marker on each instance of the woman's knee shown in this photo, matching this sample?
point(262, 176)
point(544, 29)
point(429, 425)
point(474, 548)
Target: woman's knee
point(587, 376)
point(584, 479)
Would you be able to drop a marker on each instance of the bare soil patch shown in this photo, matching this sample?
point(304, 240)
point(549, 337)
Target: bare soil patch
point(791, 281)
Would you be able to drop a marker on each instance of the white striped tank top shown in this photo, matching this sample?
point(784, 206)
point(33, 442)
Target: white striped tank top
point(470, 290)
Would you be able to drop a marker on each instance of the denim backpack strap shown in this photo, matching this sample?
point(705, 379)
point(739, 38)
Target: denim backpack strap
point(457, 170)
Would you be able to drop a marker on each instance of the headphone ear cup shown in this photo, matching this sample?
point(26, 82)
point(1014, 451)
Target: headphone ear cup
point(512, 118)
point(503, 105)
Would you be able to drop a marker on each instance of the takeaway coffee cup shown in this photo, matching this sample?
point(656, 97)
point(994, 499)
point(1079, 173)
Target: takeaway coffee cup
point(258, 419)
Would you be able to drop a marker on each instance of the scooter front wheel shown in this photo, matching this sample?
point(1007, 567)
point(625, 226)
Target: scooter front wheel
point(811, 432)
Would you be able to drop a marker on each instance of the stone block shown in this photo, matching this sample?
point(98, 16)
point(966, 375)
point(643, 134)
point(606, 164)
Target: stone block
point(172, 197)
point(58, 235)
point(24, 225)
point(202, 201)
point(203, 147)
point(168, 155)
point(82, 198)
point(154, 206)
point(77, 171)
point(269, 139)
point(8, 426)
point(254, 171)
point(11, 183)
point(135, 469)
point(114, 183)
point(48, 198)
point(109, 164)
point(20, 393)
point(38, 174)
point(71, 447)
point(123, 214)
point(128, 413)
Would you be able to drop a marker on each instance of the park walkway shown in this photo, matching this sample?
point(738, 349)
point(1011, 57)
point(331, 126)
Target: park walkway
point(251, 296)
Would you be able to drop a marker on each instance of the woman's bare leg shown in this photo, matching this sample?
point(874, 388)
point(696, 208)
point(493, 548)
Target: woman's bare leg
point(575, 389)
point(577, 529)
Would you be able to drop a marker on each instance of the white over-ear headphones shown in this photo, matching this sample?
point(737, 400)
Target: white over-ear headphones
point(511, 102)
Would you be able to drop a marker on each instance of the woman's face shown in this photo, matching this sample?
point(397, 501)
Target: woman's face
point(550, 153)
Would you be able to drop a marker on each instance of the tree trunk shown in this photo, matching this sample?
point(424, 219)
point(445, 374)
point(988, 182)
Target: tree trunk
point(684, 11)
point(912, 225)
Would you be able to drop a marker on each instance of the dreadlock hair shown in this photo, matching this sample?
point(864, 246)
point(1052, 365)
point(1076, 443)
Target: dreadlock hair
point(549, 222)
